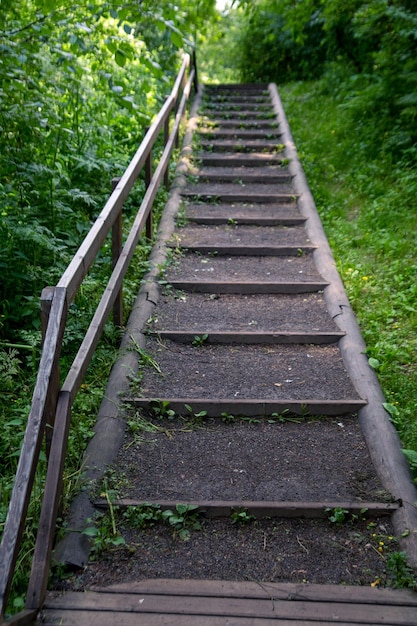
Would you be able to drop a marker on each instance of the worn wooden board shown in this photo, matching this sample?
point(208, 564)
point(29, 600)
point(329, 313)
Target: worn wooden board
point(248, 286)
point(243, 607)
point(287, 510)
point(251, 337)
point(281, 591)
point(256, 408)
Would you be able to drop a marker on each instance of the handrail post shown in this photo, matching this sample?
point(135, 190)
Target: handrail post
point(50, 406)
point(116, 248)
point(148, 179)
point(166, 137)
point(194, 65)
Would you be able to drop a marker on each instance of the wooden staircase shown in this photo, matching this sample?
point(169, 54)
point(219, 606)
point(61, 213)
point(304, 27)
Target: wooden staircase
point(243, 330)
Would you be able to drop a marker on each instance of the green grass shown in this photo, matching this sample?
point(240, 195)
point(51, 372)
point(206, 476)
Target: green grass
point(367, 207)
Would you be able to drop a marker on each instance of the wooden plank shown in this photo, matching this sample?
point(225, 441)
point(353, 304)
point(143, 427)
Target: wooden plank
point(87, 618)
point(239, 196)
point(29, 455)
point(248, 250)
point(239, 159)
point(251, 337)
point(281, 591)
point(262, 509)
point(256, 408)
point(250, 145)
point(248, 287)
point(204, 218)
point(239, 607)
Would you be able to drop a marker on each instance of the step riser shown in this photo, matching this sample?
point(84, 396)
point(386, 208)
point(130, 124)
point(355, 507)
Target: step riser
point(251, 338)
point(248, 287)
point(249, 250)
point(260, 510)
point(253, 408)
point(239, 160)
point(246, 221)
point(239, 197)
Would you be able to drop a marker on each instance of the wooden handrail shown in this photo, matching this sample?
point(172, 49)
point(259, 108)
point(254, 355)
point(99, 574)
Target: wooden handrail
point(47, 397)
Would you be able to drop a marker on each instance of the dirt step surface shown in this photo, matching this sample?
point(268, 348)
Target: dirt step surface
point(269, 173)
point(243, 211)
point(236, 235)
point(249, 145)
point(196, 267)
point(270, 372)
point(214, 188)
point(190, 459)
point(304, 551)
point(232, 159)
point(240, 133)
point(244, 313)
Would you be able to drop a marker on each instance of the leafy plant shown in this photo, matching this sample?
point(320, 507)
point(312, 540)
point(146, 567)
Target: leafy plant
point(399, 572)
point(184, 519)
point(161, 410)
point(199, 340)
point(338, 515)
point(241, 517)
point(194, 415)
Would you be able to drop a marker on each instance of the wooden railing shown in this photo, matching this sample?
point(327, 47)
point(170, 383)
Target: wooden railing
point(51, 405)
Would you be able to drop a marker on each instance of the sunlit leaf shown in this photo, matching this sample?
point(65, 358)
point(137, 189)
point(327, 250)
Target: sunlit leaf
point(120, 57)
point(176, 39)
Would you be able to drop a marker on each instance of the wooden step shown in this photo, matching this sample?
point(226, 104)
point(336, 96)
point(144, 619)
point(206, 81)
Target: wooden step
point(240, 134)
point(249, 145)
point(285, 510)
point(248, 286)
point(222, 603)
point(261, 250)
point(253, 408)
point(223, 337)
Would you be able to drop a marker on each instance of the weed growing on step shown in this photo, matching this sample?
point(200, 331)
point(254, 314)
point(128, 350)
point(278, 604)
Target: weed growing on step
point(400, 574)
point(161, 409)
point(183, 519)
point(199, 340)
point(241, 517)
point(194, 416)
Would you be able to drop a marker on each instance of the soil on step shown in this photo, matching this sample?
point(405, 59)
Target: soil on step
point(311, 461)
point(207, 313)
point(193, 235)
point(261, 371)
point(252, 268)
point(309, 551)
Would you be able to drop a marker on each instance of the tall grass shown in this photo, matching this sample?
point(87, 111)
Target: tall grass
point(366, 202)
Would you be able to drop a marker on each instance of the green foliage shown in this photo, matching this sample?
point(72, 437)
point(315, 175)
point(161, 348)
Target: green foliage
point(182, 520)
point(399, 572)
point(241, 517)
point(365, 199)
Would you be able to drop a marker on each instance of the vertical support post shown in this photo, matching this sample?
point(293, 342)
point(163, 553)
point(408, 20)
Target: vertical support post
point(148, 179)
point(194, 65)
point(117, 245)
point(50, 404)
point(166, 137)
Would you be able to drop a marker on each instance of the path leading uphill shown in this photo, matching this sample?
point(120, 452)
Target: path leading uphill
point(245, 410)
